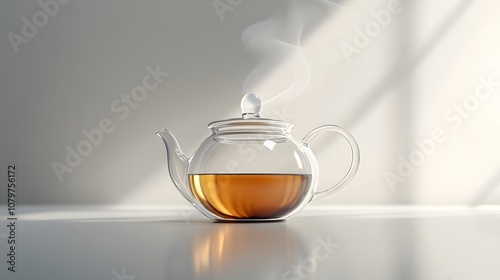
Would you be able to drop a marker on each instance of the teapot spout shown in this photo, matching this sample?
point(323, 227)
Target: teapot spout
point(177, 163)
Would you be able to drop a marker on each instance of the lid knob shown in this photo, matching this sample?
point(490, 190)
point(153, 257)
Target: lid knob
point(251, 105)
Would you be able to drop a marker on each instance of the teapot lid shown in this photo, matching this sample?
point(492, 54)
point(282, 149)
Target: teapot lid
point(250, 119)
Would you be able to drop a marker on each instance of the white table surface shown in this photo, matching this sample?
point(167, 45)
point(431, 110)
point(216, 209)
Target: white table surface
point(400, 243)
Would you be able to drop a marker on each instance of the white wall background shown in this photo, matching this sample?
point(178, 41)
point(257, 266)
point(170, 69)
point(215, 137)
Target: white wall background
point(396, 88)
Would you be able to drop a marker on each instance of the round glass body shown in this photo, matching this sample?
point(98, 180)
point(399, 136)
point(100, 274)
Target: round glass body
point(255, 174)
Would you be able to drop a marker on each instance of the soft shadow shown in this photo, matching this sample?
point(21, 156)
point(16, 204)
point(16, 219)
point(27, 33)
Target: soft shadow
point(486, 190)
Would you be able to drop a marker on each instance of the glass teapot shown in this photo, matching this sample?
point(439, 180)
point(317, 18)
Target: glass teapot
point(251, 168)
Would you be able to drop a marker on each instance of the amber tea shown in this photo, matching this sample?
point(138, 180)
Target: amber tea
point(250, 196)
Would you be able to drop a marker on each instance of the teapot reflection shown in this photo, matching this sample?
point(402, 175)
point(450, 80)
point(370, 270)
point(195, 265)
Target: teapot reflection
point(229, 250)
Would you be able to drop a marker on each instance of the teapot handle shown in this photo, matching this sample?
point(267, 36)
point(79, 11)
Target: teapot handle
point(353, 168)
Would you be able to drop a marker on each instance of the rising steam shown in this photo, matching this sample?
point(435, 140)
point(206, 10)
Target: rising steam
point(283, 72)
